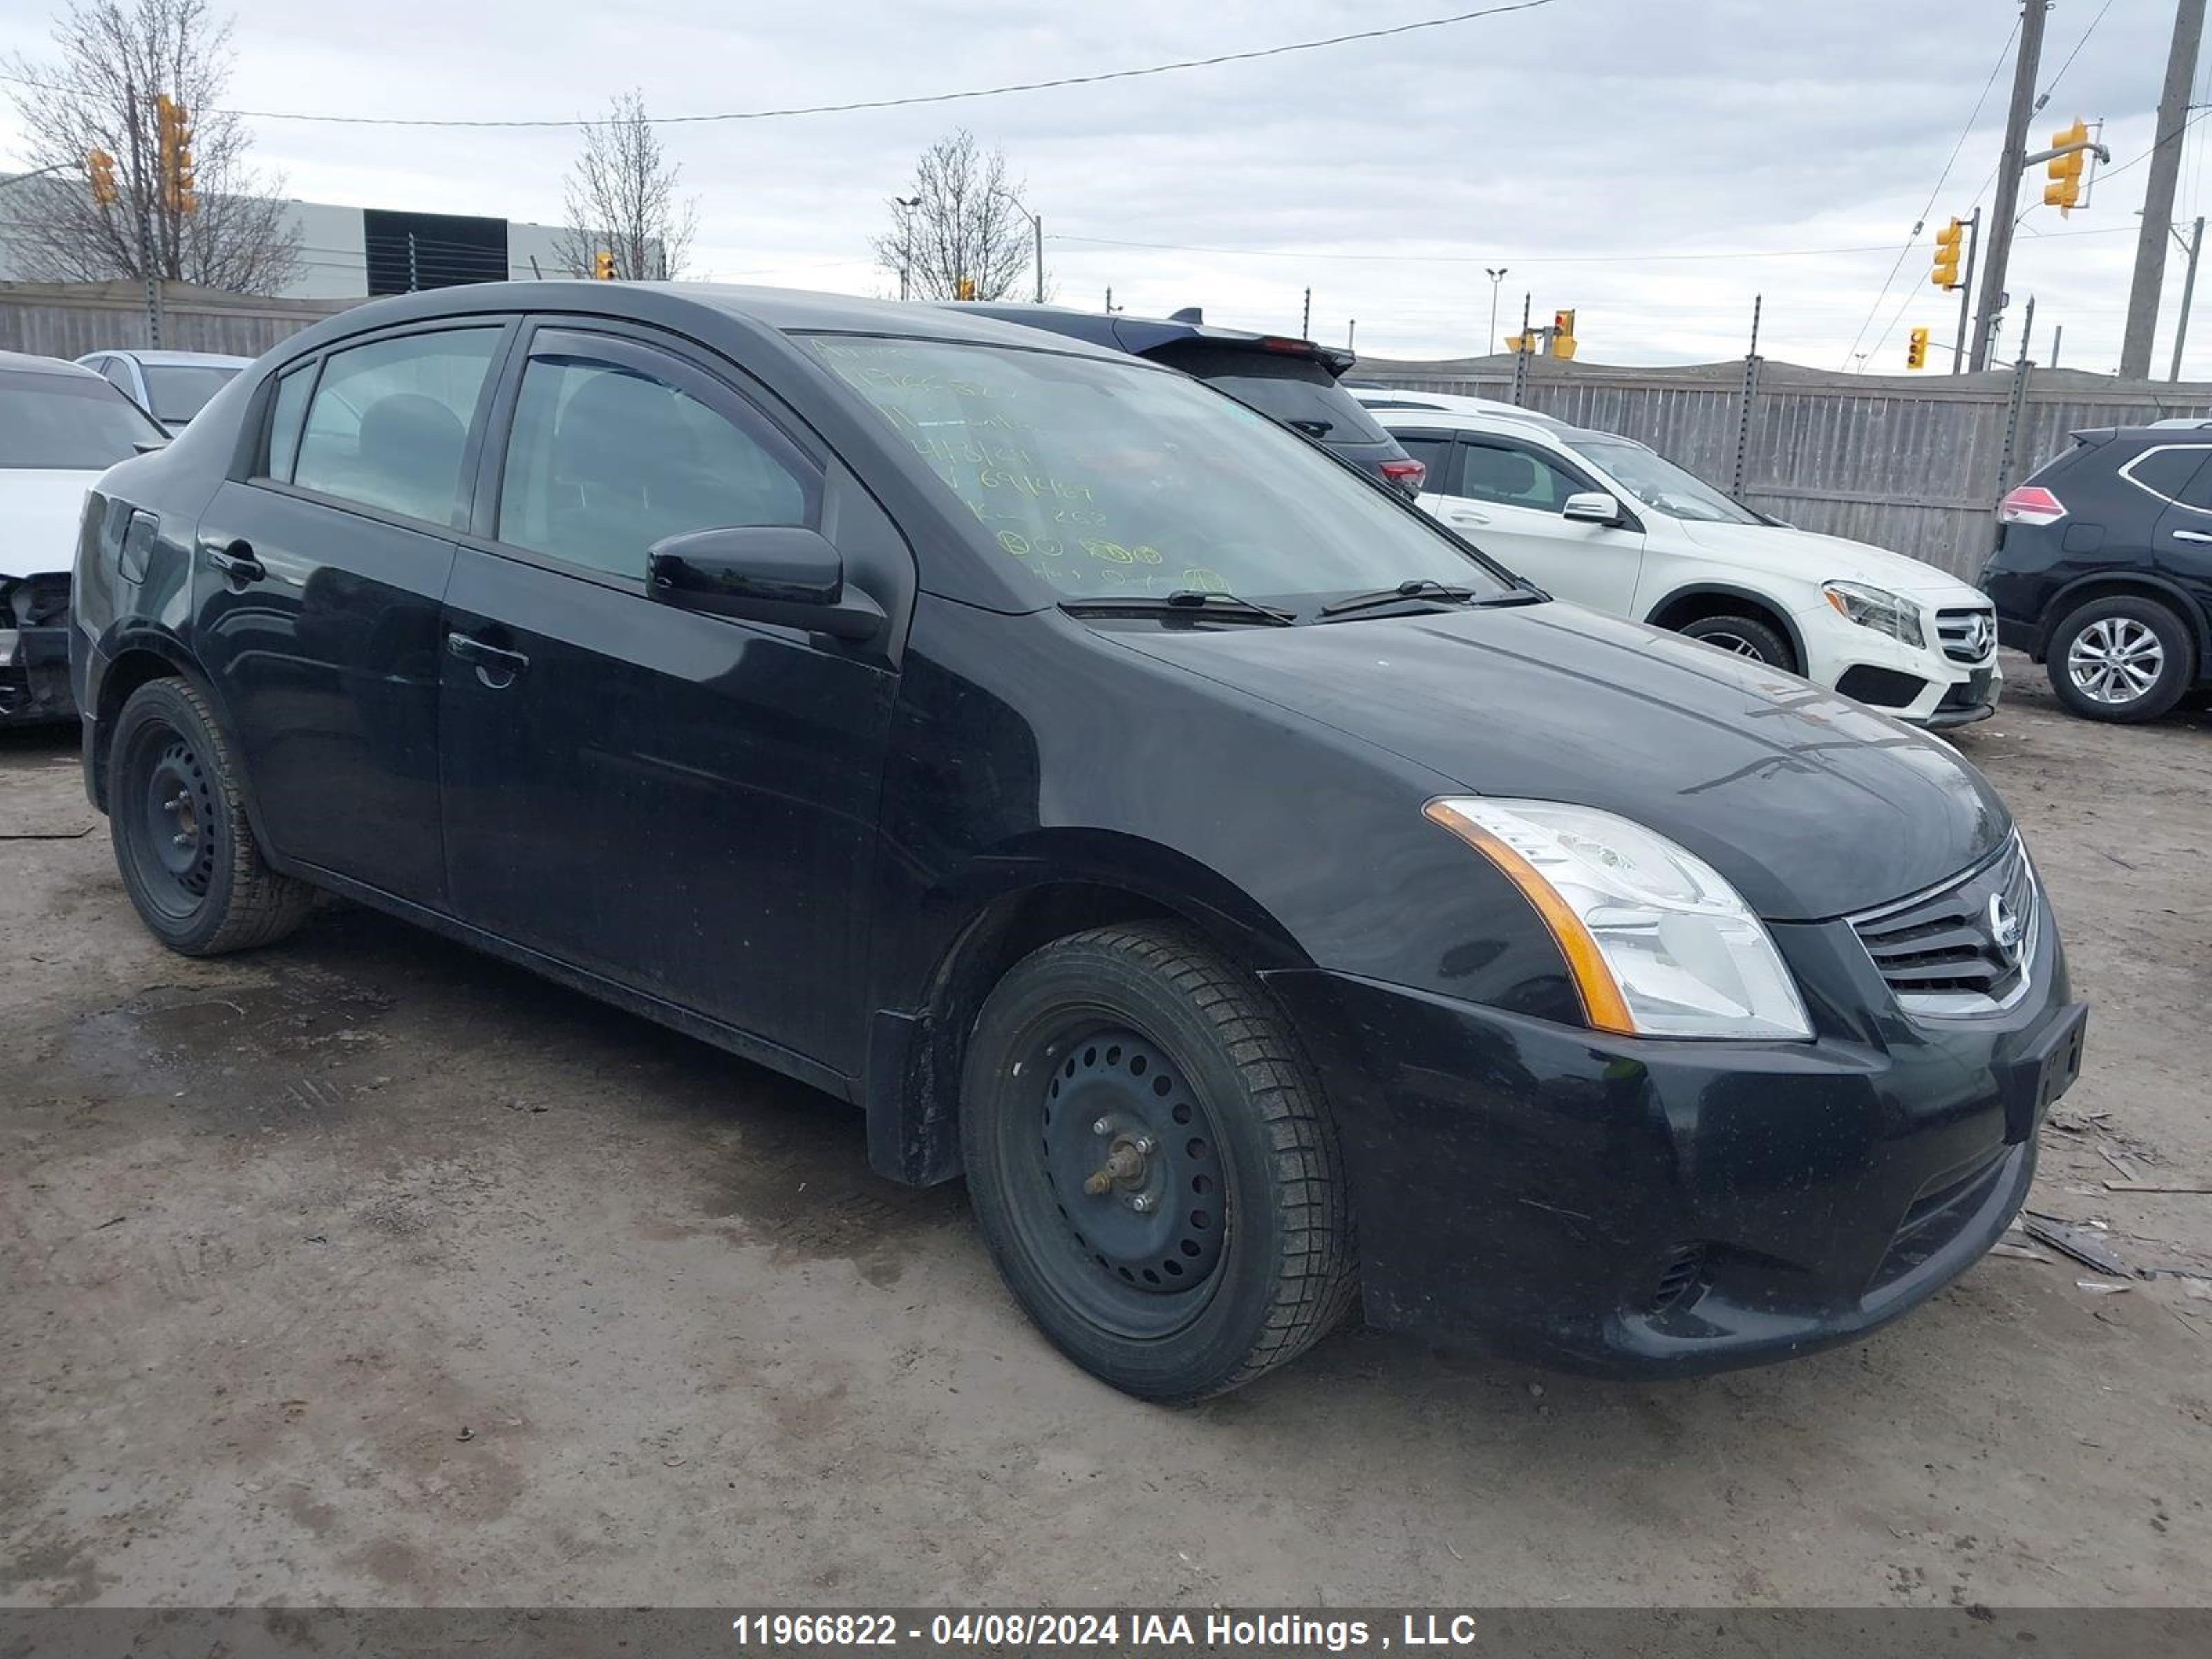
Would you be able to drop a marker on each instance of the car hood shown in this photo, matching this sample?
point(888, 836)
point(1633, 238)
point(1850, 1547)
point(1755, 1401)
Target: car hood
point(38, 514)
point(1829, 558)
point(1812, 805)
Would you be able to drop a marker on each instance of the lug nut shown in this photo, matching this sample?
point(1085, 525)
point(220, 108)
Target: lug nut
point(1102, 1127)
point(1142, 1203)
point(172, 804)
point(182, 838)
point(1145, 1145)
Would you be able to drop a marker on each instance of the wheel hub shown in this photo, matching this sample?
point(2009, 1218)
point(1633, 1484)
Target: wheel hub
point(2115, 660)
point(179, 816)
point(1133, 1164)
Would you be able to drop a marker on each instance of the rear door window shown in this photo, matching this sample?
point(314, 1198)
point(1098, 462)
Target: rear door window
point(1435, 452)
point(389, 422)
point(2174, 472)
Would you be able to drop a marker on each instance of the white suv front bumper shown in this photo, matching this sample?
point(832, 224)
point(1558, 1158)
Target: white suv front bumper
point(1923, 684)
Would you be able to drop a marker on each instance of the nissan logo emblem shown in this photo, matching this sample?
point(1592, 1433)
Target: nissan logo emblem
point(2006, 927)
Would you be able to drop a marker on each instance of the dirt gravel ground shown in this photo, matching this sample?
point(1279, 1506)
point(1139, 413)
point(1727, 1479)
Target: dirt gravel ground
point(366, 1270)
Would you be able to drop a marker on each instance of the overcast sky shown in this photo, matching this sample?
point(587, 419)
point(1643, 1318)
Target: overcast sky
point(1587, 146)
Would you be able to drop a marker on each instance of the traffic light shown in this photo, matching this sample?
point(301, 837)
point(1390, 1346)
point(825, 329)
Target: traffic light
point(99, 167)
point(2064, 190)
point(1916, 349)
point(1945, 275)
point(964, 289)
point(173, 122)
point(603, 266)
point(1563, 334)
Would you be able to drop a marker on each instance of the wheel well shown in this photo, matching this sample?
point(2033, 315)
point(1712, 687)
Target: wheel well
point(914, 1084)
point(2106, 587)
point(1680, 611)
point(129, 671)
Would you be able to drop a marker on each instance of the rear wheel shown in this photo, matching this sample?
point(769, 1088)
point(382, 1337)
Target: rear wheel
point(1152, 1166)
point(1743, 636)
point(2121, 658)
point(187, 854)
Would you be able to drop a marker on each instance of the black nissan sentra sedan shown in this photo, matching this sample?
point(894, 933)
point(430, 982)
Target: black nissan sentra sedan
point(1267, 903)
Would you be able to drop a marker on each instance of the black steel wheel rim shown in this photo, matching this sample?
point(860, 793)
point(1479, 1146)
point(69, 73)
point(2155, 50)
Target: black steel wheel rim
point(1116, 1180)
point(171, 822)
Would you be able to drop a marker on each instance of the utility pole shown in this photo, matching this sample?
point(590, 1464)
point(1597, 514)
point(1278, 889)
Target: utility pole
point(1038, 223)
point(1306, 319)
point(1966, 287)
point(2158, 193)
point(2058, 333)
point(2010, 164)
point(1350, 335)
point(145, 195)
point(1497, 275)
point(2188, 292)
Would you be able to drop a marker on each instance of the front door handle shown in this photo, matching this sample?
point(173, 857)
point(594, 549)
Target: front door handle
point(1461, 515)
point(2191, 536)
point(235, 560)
point(495, 666)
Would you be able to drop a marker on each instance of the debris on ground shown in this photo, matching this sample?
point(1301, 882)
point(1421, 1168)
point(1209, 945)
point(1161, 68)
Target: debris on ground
point(2083, 1245)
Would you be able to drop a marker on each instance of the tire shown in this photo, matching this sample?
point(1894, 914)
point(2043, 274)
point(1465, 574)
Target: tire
point(187, 854)
point(1742, 636)
point(1088, 1046)
point(2121, 658)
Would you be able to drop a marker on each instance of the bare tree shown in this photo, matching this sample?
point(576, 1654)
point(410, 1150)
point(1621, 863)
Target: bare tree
point(959, 224)
point(116, 58)
point(622, 200)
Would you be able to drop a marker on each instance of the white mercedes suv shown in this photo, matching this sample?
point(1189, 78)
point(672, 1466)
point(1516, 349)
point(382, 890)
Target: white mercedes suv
point(1611, 523)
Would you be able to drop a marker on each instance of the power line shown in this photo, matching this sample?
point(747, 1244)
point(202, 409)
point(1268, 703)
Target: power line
point(900, 103)
point(1904, 253)
point(1522, 259)
point(2072, 55)
point(2135, 161)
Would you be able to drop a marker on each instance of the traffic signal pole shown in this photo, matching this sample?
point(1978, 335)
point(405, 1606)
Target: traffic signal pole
point(2010, 165)
point(1966, 289)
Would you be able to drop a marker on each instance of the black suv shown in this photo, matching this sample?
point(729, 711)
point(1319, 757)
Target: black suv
point(2103, 569)
point(1294, 381)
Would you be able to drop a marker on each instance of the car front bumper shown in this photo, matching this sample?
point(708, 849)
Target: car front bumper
point(1647, 1208)
point(35, 675)
point(1919, 685)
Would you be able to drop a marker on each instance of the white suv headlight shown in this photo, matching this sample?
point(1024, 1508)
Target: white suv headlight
point(1876, 608)
point(1657, 942)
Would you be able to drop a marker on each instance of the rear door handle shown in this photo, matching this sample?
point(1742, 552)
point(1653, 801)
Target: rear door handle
point(235, 560)
point(1461, 515)
point(2191, 536)
point(495, 666)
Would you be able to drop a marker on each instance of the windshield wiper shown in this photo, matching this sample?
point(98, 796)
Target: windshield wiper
point(1186, 600)
point(1419, 587)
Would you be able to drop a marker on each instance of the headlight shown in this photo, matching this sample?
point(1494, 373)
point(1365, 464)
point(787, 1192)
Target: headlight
point(1657, 942)
point(1876, 608)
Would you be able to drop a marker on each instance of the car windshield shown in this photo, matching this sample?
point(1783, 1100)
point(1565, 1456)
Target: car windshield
point(1105, 478)
point(69, 423)
point(1662, 486)
point(180, 390)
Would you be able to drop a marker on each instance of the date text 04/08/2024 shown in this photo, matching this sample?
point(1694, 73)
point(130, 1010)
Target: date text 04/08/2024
point(1161, 1630)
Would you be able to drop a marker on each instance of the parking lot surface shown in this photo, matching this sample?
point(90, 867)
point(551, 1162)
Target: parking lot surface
point(366, 1270)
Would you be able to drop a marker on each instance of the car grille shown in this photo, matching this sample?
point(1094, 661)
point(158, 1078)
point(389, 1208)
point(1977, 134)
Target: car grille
point(35, 602)
point(1969, 635)
point(1965, 949)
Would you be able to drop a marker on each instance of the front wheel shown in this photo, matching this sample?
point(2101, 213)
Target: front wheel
point(1743, 636)
point(187, 854)
point(1152, 1166)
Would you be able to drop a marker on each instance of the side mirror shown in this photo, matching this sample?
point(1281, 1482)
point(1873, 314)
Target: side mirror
point(1592, 506)
point(764, 572)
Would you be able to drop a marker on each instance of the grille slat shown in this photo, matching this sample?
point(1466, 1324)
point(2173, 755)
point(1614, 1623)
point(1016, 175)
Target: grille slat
point(1945, 944)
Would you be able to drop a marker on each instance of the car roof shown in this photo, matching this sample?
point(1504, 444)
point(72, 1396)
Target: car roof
point(1518, 423)
point(174, 359)
point(24, 362)
point(784, 310)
